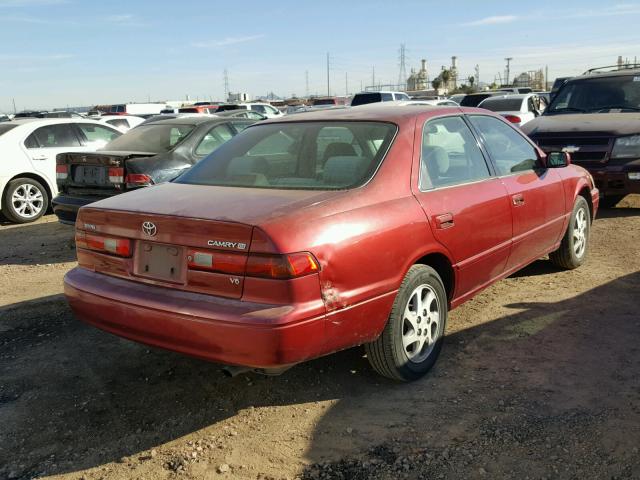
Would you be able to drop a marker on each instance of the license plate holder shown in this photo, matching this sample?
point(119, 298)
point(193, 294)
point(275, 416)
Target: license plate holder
point(159, 261)
point(90, 174)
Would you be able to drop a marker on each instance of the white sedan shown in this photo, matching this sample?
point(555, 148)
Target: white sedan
point(124, 123)
point(28, 150)
point(518, 109)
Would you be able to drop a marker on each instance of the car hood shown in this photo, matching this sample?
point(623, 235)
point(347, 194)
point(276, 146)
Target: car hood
point(252, 206)
point(615, 124)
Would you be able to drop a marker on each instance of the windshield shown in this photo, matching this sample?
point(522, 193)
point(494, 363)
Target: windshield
point(364, 98)
point(598, 95)
point(156, 138)
point(502, 104)
point(297, 155)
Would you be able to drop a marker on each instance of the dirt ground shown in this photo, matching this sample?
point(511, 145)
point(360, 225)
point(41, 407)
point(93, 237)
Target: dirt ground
point(539, 378)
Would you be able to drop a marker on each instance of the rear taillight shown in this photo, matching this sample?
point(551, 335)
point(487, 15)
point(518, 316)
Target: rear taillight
point(216, 262)
point(281, 266)
point(138, 180)
point(100, 243)
point(62, 172)
point(513, 118)
point(116, 174)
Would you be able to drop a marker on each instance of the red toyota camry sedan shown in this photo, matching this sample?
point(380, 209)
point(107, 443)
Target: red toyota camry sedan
point(310, 234)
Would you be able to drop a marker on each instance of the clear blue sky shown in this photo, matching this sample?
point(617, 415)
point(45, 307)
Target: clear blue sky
point(83, 52)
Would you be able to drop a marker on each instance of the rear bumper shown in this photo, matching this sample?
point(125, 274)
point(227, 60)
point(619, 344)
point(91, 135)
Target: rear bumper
point(614, 180)
point(66, 207)
point(212, 328)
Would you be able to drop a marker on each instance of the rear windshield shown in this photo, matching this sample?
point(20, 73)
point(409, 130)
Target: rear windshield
point(299, 156)
point(502, 104)
point(364, 98)
point(6, 127)
point(224, 108)
point(598, 95)
point(473, 100)
point(155, 138)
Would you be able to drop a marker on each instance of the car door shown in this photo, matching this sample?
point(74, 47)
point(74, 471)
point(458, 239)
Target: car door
point(466, 204)
point(536, 194)
point(45, 142)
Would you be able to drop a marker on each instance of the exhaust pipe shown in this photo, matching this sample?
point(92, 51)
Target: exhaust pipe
point(234, 370)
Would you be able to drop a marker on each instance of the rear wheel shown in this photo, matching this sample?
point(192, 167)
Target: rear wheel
point(573, 248)
point(610, 201)
point(412, 339)
point(25, 200)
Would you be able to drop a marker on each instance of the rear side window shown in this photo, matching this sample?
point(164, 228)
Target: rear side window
point(297, 155)
point(53, 136)
point(509, 150)
point(450, 154)
point(119, 122)
point(387, 97)
point(213, 139)
point(473, 100)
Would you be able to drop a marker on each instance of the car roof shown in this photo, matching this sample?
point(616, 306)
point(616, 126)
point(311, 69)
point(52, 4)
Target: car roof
point(190, 120)
point(515, 96)
point(380, 91)
point(52, 121)
point(376, 113)
point(616, 73)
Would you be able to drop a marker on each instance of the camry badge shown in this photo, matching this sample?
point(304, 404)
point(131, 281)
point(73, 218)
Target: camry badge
point(570, 149)
point(149, 228)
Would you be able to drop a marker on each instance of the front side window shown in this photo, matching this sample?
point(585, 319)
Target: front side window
point(53, 136)
point(297, 155)
point(509, 150)
point(96, 135)
point(450, 154)
point(213, 139)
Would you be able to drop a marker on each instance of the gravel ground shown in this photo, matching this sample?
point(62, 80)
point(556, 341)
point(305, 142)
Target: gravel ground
point(539, 378)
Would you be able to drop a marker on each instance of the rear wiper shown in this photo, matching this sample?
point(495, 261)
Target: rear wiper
point(616, 107)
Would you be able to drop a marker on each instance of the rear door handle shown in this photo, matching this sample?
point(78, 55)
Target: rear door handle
point(517, 199)
point(444, 221)
point(39, 157)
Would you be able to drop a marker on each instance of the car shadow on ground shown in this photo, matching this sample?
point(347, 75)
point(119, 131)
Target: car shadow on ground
point(53, 243)
point(617, 212)
point(73, 397)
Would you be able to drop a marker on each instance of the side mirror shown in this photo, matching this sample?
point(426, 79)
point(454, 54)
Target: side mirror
point(558, 159)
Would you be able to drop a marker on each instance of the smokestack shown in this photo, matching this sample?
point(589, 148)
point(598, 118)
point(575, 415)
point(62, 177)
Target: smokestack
point(453, 61)
point(619, 61)
point(424, 64)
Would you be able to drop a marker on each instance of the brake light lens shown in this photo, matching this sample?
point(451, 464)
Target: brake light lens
point(62, 172)
point(138, 180)
point(282, 266)
point(513, 118)
point(116, 174)
point(99, 243)
point(221, 262)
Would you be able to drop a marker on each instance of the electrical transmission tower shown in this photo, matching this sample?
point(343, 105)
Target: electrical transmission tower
point(507, 69)
point(226, 85)
point(402, 74)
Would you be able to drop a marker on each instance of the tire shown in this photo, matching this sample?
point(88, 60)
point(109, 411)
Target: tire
point(393, 354)
point(575, 243)
point(610, 201)
point(25, 200)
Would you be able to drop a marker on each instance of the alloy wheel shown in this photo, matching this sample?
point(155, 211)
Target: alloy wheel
point(421, 323)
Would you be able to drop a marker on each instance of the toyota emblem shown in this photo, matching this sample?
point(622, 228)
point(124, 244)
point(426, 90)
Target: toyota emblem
point(149, 228)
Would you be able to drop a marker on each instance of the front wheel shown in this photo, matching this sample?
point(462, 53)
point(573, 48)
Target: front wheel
point(25, 200)
point(412, 339)
point(575, 243)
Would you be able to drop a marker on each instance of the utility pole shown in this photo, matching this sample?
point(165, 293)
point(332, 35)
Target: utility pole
point(506, 74)
point(306, 82)
point(328, 81)
point(346, 84)
point(373, 76)
point(402, 74)
point(14, 106)
point(226, 85)
point(546, 76)
point(477, 69)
